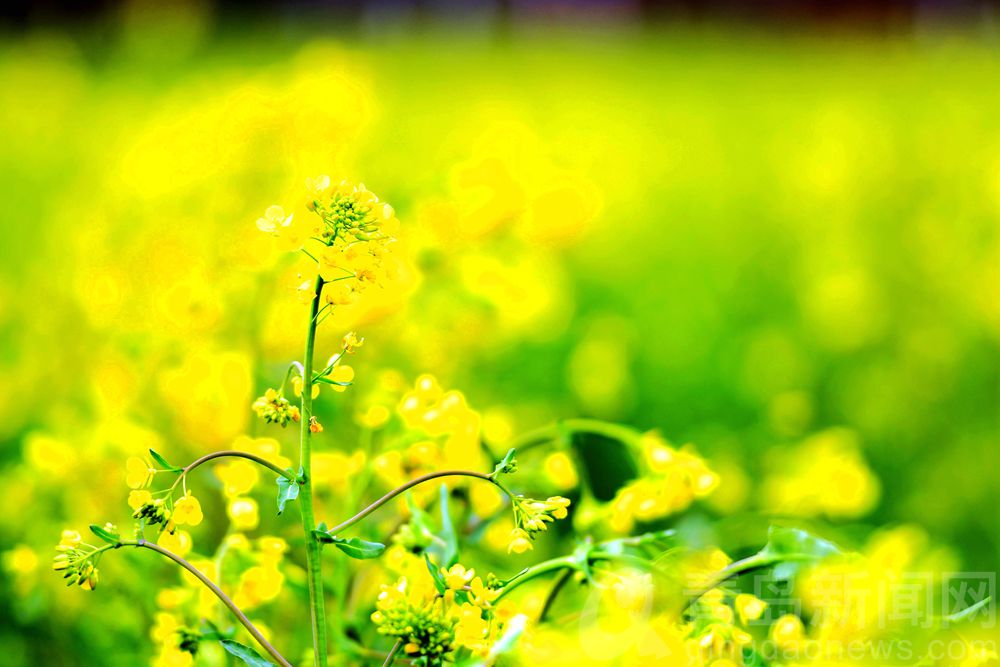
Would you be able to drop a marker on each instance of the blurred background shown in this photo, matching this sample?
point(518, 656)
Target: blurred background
point(769, 231)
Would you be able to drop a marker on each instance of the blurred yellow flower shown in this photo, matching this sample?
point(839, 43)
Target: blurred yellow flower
point(138, 473)
point(137, 498)
point(238, 477)
point(243, 513)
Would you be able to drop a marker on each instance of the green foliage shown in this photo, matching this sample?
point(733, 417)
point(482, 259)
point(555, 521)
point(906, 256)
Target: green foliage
point(246, 654)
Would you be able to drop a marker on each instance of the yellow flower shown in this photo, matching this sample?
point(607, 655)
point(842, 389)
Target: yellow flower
point(352, 342)
point(243, 513)
point(178, 542)
point(341, 374)
point(258, 584)
point(297, 387)
point(271, 550)
point(457, 577)
point(560, 469)
point(486, 499)
point(274, 220)
point(519, 542)
point(187, 511)
point(787, 631)
point(374, 417)
point(749, 607)
point(69, 538)
point(138, 473)
point(21, 560)
point(482, 595)
point(238, 477)
point(138, 498)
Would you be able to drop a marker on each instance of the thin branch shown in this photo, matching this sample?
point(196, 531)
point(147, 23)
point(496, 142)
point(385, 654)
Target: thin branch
point(236, 611)
point(406, 487)
point(392, 653)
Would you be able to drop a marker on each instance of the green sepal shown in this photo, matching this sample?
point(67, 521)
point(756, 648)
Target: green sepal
point(245, 653)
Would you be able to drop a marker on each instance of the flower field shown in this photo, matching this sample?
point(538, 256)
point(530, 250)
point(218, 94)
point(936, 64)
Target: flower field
point(679, 348)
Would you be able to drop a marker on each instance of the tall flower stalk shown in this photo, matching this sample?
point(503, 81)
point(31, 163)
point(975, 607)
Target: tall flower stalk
point(314, 563)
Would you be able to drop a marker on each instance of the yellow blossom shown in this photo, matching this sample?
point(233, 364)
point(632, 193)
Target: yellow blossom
point(187, 511)
point(519, 542)
point(749, 607)
point(560, 470)
point(238, 477)
point(243, 513)
point(137, 498)
point(457, 576)
point(341, 373)
point(69, 538)
point(178, 542)
point(274, 220)
point(787, 631)
point(297, 386)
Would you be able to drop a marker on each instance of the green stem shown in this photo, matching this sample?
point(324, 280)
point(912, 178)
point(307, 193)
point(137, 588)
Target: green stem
point(574, 562)
point(313, 560)
point(236, 611)
point(392, 653)
point(232, 453)
point(406, 487)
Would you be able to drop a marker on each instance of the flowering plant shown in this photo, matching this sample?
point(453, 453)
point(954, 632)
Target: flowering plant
point(427, 604)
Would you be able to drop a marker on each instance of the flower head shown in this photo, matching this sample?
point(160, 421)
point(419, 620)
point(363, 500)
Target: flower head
point(274, 408)
point(187, 511)
point(274, 220)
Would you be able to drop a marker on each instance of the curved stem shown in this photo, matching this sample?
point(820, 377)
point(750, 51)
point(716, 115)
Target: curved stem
point(550, 599)
point(236, 611)
point(406, 487)
point(232, 453)
point(535, 571)
point(313, 560)
point(574, 562)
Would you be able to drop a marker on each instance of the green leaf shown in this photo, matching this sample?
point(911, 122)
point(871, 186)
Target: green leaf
point(355, 547)
point(245, 653)
point(450, 547)
point(322, 536)
point(421, 524)
point(287, 490)
point(968, 612)
point(508, 464)
point(435, 571)
point(105, 535)
point(796, 544)
point(162, 462)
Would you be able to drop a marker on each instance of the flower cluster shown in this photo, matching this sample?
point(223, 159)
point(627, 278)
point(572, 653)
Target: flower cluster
point(76, 561)
point(274, 408)
point(672, 480)
point(531, 517)
point(354, 232)
point(434, 624)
